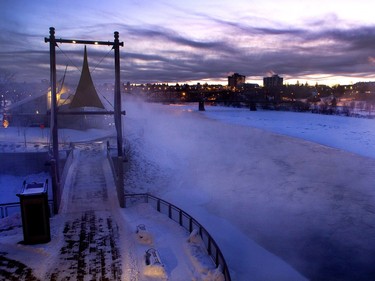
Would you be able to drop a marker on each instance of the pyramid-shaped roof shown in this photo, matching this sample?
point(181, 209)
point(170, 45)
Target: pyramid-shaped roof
point(86, 94)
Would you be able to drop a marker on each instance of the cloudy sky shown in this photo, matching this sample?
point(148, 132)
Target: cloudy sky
point(324, 41)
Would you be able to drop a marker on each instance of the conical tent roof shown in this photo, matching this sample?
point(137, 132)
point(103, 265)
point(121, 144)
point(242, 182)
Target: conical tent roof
point(86, 94)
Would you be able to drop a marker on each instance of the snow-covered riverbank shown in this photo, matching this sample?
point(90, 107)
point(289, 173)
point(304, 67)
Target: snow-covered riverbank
point(307, 199)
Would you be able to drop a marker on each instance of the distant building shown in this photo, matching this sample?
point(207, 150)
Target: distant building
point(236, 79)
point(274, 81)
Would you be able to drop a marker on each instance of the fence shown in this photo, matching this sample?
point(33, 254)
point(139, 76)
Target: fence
point(7, 209)
point(116, 164)
point(65, 170)
point(58, 186)
point(186, 221)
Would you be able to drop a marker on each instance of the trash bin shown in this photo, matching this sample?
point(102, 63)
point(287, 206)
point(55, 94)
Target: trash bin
point(35, 212)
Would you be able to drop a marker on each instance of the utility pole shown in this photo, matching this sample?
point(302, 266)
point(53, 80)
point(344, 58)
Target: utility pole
point(120, 171)
point(53, 123)
point(117, 99)
point(116, 47)
point(117, 104)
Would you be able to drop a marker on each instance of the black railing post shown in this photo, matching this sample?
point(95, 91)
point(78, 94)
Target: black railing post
point(180, 217)
point(158, 205)
point(170, 211)
point(209, 246)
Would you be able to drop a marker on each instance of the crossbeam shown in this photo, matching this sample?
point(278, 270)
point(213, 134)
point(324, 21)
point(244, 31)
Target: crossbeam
point(85, 42)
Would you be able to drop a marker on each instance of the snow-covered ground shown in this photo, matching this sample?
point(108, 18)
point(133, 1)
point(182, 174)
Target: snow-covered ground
point(308, 203)
point(278, 191)
point(355, 135)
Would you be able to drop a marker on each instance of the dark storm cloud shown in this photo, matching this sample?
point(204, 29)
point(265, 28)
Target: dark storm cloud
point(171, 36)
point(357, 38)
point(252, 30)
point(163, 54)
point(306, 52)
point(312, 51)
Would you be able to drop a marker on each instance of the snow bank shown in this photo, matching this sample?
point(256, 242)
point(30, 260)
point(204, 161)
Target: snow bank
point(167, 255)
point(355, 135)
point(9, 223)
point(202, 262)
point(144, 236)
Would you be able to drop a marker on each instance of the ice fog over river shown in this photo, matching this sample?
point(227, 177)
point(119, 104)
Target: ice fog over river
point(300, 185)
point(287, 196)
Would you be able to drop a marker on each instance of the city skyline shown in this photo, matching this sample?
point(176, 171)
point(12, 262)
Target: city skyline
point(325, 42)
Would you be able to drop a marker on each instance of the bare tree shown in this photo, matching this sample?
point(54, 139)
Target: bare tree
point(6, 76)
point(368, 108)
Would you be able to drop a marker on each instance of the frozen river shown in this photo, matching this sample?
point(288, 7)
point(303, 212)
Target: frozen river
point(310, 204)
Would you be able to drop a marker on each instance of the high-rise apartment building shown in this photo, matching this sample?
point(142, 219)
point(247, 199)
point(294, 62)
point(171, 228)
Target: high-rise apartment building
point(236, 79)
point(274, 81)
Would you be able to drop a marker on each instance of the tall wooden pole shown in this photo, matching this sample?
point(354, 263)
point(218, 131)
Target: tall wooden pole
point(117, 100)
point(116, 47)
point(53, 123)
point(120, 171)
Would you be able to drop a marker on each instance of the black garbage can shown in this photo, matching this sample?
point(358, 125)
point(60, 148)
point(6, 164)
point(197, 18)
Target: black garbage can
point(35, 213)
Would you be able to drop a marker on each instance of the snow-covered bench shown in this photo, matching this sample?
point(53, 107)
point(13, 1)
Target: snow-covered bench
point(152, 257)
point(143, 235)
point(154, 265)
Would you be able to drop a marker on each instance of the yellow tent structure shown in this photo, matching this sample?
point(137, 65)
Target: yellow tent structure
point(86, 95)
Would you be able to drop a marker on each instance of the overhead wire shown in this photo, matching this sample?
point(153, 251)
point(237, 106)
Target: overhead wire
point(80, 70)
point(66, 55)
point(105, 56)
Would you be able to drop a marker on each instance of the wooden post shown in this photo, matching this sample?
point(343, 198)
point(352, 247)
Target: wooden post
point(53, 123)
point(201, 105)
point(120, 181)
point(117, 100)
point(116, 47)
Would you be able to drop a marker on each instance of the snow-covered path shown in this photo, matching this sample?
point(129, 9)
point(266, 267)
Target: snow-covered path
point(90, 246)
point(99, 238)
point(92, 238)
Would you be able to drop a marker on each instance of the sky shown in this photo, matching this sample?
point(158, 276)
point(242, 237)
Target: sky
point(321, 41)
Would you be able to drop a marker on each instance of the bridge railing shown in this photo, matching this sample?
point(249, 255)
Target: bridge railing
point(116, 164)
point(8, 209)
point(184, 220)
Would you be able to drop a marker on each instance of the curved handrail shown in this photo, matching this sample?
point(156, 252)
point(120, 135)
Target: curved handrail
point(186, 221)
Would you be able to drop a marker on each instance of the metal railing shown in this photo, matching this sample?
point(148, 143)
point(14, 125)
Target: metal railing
point(16, 208)
point(184, 220)
point(4, 209)
point(59, 177)
point(116, 164)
